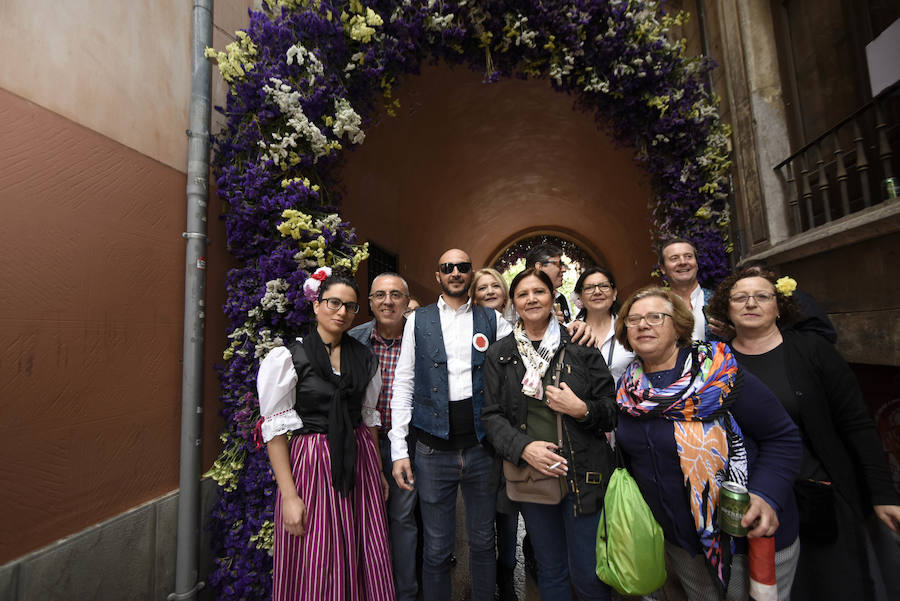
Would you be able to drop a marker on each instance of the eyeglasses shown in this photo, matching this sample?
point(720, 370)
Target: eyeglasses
point(652, 319)
point(334, 304)
point(759, 297)
point(395, 295)
point(557, 262)
point(447, 268)
point(604, 287)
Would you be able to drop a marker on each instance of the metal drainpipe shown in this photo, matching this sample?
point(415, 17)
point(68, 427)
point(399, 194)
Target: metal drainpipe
point(187, 583)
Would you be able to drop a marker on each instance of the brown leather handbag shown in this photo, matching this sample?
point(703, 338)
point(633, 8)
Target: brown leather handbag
point(526, 483)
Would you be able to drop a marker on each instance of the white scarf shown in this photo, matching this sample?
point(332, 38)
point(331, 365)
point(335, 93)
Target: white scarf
point(536, 361)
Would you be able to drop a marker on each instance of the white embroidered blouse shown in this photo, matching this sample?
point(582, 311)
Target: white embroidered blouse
point(276, 385)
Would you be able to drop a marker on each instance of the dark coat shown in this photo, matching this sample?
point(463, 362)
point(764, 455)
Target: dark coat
point(585, 447)
point(836, 423)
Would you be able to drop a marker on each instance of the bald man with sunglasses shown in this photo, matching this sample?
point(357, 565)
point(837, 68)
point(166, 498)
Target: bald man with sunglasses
point(438, 390)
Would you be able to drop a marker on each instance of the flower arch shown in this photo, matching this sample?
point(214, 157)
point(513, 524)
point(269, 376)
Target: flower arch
point(306, 75)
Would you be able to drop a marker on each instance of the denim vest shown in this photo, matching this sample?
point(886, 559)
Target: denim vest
point(431, 392)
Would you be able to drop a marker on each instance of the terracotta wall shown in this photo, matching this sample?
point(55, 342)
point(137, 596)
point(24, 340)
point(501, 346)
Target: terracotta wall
point(91, 307)
point(470, 165)
point(120, 68)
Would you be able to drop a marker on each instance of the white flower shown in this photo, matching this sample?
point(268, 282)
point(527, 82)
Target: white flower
point(305, 57)
point(274, 297)
point(347, 121)
point(289, 103)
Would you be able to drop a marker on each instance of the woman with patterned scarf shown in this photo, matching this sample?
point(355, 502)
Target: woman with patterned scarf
point(521, 404)
point(691, 419)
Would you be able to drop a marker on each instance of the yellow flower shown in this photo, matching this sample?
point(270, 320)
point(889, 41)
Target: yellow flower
point(296, 222)
point(785, 286)
point(703, 212)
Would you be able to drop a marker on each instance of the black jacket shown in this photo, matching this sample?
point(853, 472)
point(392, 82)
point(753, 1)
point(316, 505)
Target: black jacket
point(836, 423)
point(585, 447)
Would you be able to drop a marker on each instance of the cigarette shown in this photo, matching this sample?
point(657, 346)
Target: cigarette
point(554, 466)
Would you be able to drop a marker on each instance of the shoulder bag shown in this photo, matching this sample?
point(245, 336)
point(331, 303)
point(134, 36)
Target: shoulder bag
point(526, 484)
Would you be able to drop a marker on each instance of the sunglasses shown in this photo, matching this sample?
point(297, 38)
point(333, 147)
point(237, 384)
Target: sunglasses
point(447, 268)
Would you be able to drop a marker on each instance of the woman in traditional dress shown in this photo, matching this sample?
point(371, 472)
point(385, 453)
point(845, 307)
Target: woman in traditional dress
point(845, 475)
point(331, 540)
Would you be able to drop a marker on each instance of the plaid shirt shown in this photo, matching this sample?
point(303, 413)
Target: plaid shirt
point(387, 351)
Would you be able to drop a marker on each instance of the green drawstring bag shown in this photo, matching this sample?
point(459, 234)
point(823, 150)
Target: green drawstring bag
point(631, 555)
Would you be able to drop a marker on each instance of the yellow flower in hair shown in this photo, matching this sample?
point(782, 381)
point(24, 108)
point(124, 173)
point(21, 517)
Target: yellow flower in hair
point(785, 286)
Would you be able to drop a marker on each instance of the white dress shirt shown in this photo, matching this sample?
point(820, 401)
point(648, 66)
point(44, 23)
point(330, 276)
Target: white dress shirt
point(456, 328)
point(699, 318)
point(621, 358)
point(276, 384)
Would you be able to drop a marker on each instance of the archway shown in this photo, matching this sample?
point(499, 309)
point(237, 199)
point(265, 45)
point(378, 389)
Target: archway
point(511, 259)
point(307, 77)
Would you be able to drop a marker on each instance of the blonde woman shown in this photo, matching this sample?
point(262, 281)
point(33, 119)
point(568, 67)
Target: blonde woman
point(489, 289)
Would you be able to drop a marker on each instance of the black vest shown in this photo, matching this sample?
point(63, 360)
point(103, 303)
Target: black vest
point(313, 394)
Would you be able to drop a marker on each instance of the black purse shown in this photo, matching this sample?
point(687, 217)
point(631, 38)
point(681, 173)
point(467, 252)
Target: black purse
point(815, 504)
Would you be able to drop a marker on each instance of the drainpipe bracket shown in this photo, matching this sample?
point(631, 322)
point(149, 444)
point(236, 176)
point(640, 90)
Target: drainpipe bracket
point(188, 595)
point(194, 235)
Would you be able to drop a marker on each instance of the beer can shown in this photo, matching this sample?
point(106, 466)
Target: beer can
point(890, 188)
point(734, 501)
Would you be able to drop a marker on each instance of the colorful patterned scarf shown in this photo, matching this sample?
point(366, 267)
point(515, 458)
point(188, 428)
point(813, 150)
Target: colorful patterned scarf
point(536, 361)
point(708, 440)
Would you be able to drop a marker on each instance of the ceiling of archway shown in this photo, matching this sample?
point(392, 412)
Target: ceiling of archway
point(474, 166)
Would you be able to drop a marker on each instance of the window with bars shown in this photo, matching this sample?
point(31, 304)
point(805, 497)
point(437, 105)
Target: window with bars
point(380, 261)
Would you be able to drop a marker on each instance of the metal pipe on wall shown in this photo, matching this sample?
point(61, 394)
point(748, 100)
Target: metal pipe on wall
point(187, 582)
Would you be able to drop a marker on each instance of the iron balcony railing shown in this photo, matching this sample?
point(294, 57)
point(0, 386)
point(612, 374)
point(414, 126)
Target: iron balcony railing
point(848, 168)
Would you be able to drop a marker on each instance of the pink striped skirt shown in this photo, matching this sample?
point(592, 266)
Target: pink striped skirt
point(345, 553)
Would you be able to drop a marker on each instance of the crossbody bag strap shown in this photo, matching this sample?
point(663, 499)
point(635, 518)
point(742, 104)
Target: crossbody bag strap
point(556, 373)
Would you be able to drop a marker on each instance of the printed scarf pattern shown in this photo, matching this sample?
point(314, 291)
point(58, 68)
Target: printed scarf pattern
point(708, 440)
point(536, 361)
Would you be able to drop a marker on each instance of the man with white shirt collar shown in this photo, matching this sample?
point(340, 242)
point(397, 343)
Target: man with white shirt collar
point(438, 388)
point(678, 263)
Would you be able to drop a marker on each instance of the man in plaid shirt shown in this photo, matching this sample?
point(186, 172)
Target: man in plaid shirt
point(388, 300)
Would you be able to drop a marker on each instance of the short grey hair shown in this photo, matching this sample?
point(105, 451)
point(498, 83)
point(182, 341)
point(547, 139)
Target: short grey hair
point(391, 274)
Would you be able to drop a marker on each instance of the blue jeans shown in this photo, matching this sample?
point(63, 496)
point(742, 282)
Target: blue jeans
point(401, 506)
point(564, 546)
point(507, 538)
point(438, 475)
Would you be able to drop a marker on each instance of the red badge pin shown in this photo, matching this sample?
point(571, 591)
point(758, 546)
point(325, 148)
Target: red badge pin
point(480, 342)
